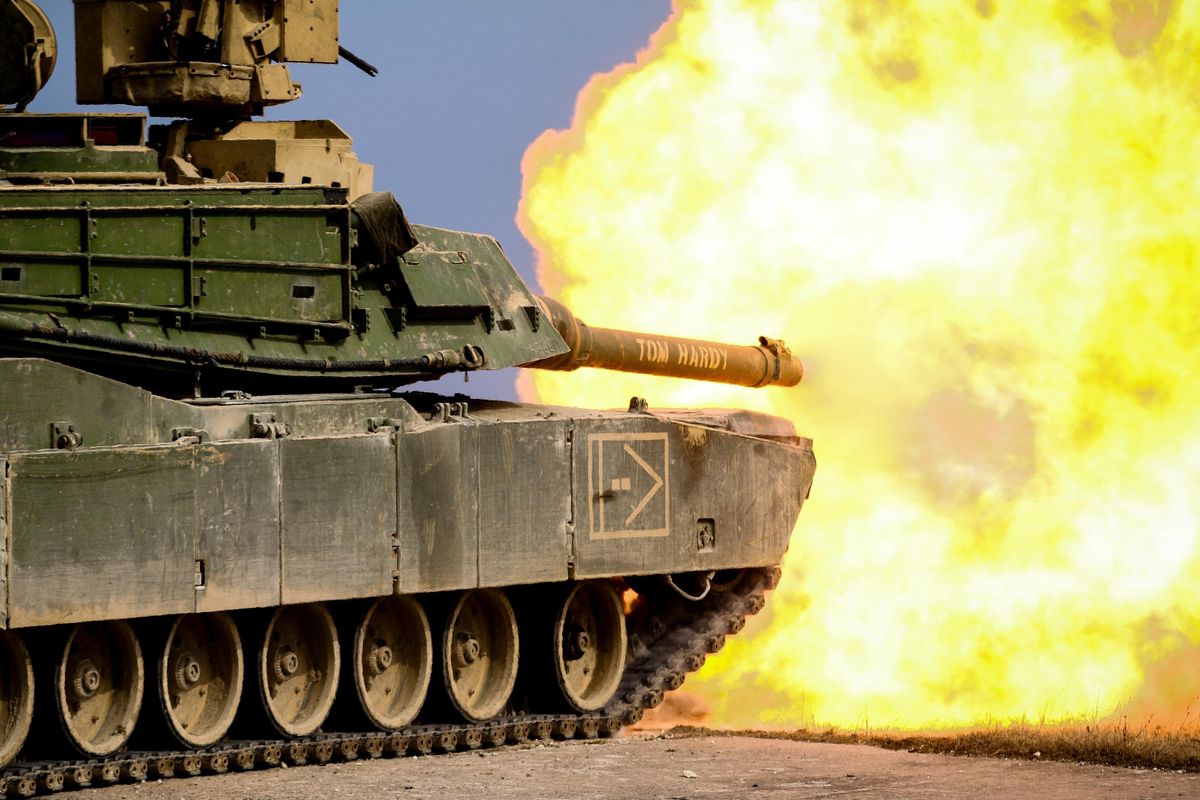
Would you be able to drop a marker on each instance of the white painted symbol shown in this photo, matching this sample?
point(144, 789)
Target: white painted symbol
point(628, 480)
point(658, 484)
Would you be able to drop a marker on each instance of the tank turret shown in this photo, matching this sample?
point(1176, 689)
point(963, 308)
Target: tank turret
point(166, 271)
point(163, 287)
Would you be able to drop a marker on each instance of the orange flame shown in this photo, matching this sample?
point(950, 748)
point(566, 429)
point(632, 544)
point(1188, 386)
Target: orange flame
point(977, 222)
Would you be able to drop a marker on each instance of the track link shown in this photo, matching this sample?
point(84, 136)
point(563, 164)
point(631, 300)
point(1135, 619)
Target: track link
point(668, 638)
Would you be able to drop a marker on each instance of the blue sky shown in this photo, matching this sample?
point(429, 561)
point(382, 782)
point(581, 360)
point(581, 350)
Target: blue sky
point(463, 88)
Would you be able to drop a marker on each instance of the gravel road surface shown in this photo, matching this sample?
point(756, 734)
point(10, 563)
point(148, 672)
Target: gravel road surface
point(641, 766)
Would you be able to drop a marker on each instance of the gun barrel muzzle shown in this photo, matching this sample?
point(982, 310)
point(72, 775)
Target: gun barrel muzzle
point(765, 364)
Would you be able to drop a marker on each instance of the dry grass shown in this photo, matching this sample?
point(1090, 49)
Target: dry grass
point(1114, 744)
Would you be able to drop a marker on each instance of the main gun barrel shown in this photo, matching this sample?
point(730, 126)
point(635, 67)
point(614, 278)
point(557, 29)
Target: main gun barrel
point(768, 363)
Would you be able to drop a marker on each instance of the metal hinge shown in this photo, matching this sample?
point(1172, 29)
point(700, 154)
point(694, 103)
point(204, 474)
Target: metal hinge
point(264, 426)
point(450, 412)
point(571, 547)
point(263, 40)
point(63, 436)
point(382, 425)
point(535, 317)
point(189, 435)
point(398, 316)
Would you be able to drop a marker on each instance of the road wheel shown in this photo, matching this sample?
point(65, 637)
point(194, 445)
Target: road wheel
point(98, 681)
point(16, 695)
point(199, 677)
point(479, 652)
point(392, 661)
point(298, 666)
point(589, 645)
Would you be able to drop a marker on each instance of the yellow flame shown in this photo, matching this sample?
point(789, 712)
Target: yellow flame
point(978, 223)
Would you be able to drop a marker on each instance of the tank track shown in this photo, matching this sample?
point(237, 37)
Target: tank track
point(669, 637)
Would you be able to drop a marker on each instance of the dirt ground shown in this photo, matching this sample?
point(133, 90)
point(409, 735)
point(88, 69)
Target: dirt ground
point(649, 766)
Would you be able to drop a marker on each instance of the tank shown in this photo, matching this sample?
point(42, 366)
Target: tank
point(234, 530)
